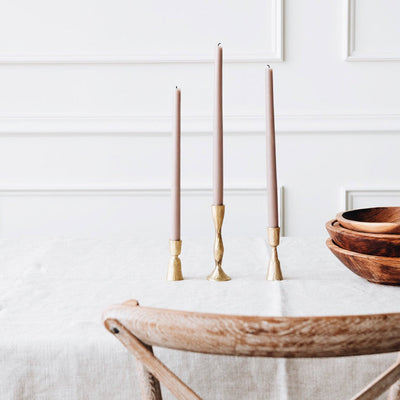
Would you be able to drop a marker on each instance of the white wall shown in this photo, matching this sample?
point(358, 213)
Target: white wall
point(86, 94)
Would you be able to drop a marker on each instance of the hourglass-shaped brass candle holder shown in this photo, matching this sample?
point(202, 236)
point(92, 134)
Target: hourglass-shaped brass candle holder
point(274, 272)
point(218, 275)
point(174, 266)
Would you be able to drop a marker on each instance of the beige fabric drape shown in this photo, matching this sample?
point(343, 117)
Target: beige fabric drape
point(53, 345)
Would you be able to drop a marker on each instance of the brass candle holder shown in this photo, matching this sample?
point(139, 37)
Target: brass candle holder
point(274, 267)
point(175, 266)
point(218, 275)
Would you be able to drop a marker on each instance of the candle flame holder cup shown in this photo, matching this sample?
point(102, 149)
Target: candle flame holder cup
point(175, 265)
point(218, 275)
point(274, 272)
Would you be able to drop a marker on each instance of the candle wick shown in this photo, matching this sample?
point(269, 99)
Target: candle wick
point(268, 66)
point(219, 44)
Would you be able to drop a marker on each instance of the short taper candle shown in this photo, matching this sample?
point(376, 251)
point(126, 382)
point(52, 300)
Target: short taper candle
point(176, 169)
point(272, 191)
point(218, 184)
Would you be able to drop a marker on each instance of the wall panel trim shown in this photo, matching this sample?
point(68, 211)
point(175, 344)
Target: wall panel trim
point(350, 39)
point(154, 190)
point(128, 190)
point(275, 54)
point(238, 124)
point(349, 195)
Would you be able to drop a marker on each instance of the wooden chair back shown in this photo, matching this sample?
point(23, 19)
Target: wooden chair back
point(140, 328)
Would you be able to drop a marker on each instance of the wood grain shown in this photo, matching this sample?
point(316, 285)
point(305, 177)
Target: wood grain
point(373, 220)
point(152, 364)
point(138, 328)
point(149, 384)
point(394, 392)
point(378, 244)
point(380, 384)
point(261, 336)
point(373, 268)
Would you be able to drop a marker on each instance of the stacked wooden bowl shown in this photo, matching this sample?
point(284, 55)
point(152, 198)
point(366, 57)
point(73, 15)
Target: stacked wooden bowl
point(367, 241)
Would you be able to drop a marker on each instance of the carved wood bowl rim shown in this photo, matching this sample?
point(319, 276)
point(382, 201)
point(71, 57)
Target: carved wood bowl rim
point(376, 269)
point(334, 224)
point(377, 244)
point(360, 220)
point(394, 260)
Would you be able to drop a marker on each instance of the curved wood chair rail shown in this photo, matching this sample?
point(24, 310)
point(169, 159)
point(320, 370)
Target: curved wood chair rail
point(260, 336)
point(139, 328)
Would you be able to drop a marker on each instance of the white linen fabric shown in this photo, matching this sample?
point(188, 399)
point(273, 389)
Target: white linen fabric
point(53, 344)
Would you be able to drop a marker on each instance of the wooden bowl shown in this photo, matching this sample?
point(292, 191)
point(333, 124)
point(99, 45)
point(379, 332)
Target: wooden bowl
point(373, 268)
point(378, 244)
point(373, 220)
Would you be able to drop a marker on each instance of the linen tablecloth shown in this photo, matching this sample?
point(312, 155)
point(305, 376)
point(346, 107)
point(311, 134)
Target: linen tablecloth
point(53, 344)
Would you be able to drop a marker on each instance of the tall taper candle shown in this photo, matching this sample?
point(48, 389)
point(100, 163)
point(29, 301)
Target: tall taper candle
point(176, 169)
point(272, 191)
point(218, 184)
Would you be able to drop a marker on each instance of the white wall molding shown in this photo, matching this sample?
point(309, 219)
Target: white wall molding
point(350, 26)
point(352, 54)
point(239, 124)
point(353, 197)
point(273, 54)
point(155, 190)
point(336, 123)
point(121, 190)
point(21, 207)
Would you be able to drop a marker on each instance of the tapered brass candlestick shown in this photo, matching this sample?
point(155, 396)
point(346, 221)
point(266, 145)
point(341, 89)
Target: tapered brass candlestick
point(218, 274)
point(274, 267)
point(175, 266)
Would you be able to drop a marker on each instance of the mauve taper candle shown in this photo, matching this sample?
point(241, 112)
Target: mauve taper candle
point(272, 191)
point(176, 169)
point(218, 173)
